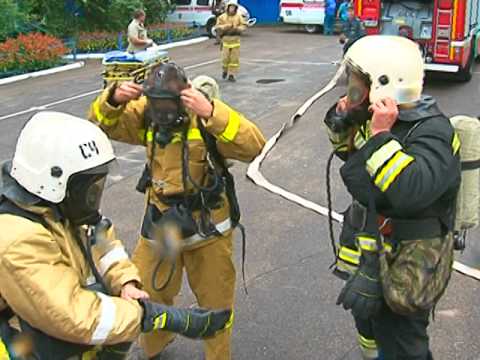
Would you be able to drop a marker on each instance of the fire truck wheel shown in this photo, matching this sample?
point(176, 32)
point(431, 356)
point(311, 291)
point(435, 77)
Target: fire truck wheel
point(465, 74)
point(311, 29)
point(210, 27)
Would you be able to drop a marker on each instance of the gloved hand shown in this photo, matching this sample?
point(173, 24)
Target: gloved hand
point(363, 291)
point(192, 323)
point(232, 31)
point(16, 350)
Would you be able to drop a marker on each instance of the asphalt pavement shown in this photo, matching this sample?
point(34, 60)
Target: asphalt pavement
point(290, 312)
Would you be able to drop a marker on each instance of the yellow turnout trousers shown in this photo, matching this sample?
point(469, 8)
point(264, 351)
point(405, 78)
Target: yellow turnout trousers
point(211, 276)
point(231, 57)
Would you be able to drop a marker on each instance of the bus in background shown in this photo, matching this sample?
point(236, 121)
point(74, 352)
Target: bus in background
point(310, 13)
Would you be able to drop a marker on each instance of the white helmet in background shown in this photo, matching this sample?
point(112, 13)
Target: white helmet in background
point(54, 146)
point(393, 65)
point(232, 3)
point(208, 86)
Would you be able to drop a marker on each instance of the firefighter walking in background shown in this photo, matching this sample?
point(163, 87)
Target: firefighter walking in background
point(402, 169)
point(186, 136)
point(231, 25)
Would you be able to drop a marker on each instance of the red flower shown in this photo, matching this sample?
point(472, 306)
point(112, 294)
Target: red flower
point(31, 51)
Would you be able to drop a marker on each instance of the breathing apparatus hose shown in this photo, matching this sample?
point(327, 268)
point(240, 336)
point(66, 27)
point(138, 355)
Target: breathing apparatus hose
point(186, 170)
point(330, 205)
point(185, 178)
point(156, 270)
point(206, 189)
point(87, 250)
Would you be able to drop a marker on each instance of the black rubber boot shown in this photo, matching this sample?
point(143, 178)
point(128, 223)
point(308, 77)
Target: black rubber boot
point(224, 75)
point(231, 78)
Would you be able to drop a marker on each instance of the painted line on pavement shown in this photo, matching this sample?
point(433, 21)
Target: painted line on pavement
point(285, 62)
point(202, 64)
point(76, 97)
point(55, 70)
point(46, 106)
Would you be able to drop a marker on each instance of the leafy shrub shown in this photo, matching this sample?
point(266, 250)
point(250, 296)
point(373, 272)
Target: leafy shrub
point(30, 52)
point(102, 41)
point(99, 41)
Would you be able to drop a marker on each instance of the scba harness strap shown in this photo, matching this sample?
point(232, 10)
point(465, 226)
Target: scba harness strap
point(206, 198)
point(45, 346)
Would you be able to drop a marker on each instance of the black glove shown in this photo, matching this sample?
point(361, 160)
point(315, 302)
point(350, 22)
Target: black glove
point(363, 291)
point(337, 122)
point(192, 323)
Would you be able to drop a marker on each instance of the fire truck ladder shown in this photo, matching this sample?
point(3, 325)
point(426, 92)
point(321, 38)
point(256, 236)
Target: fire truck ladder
point(443, 32)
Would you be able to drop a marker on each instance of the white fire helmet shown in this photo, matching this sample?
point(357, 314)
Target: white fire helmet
point(232, 3)
point(207, 85)
point(52, 147)
point(393, 65)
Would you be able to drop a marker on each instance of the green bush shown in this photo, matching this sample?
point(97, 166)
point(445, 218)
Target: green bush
point(102, 41)
point(90, 15)
point(10, 18)
point(99, 41)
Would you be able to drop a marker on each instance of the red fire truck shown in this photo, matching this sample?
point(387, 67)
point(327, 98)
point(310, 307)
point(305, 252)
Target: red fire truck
point(447, 31)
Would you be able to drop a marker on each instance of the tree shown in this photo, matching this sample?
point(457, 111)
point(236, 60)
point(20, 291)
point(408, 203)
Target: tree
point(11, 18)
point(157, 10)
point(64, 18)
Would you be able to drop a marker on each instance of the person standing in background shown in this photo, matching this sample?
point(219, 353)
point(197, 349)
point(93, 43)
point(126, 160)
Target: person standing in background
point(342, 12)
point(352, 30)
point(231, 25)
point(137, 34)
point(330, 7)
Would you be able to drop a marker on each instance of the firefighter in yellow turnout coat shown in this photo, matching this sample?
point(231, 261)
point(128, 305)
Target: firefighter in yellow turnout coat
point(231, 24)
point(168, 125)
point(63, 273)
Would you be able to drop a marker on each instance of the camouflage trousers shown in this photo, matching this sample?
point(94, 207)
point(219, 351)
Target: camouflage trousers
point(397, 337)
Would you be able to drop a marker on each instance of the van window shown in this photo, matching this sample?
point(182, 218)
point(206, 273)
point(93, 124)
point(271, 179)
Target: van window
point(183, 2)
point(202, 2)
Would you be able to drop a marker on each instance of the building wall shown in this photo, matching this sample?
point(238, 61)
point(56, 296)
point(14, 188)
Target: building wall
point(266, 11)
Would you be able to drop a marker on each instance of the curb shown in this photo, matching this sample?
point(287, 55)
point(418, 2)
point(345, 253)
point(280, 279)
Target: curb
point(35, 74)
point(99, 56)
point(80, 64)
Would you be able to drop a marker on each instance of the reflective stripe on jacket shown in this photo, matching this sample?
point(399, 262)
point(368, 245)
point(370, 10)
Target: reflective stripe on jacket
point(237, 138)
point(44, 275)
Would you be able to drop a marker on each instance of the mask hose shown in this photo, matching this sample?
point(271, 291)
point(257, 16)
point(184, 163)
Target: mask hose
point(330, 206)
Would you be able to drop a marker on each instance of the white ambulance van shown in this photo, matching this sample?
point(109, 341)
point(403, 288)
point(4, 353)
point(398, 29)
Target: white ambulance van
point(200, 12)
point(309, 13)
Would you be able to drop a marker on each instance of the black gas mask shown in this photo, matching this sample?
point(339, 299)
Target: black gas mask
point(84, 194)
point(165, 116)
point(165, 112)
point(358, 103)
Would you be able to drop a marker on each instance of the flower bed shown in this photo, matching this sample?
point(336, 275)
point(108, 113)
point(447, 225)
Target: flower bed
point(30, 52)
point(100, 42)
point(36, 51)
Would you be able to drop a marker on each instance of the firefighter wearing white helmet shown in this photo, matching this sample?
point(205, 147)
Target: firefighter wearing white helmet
point(402, 169)
point(63, 272)
point(230, 26)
